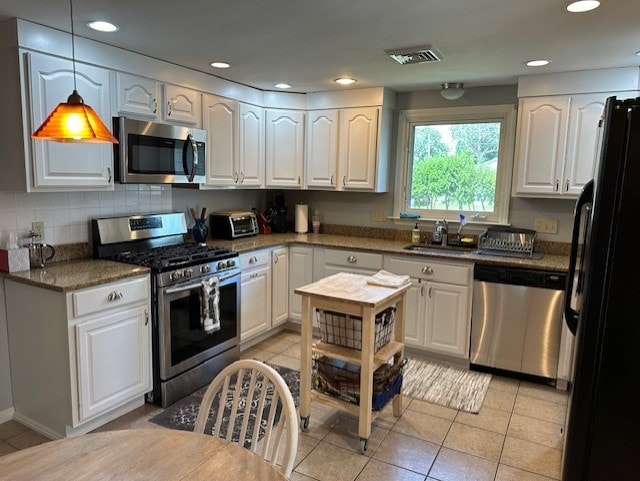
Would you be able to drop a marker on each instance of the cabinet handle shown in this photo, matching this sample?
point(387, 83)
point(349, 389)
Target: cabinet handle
point(566, 185)
point(275, 258)
point(421, 289)
point(155, 105)
point(427, 270)
point(253, 260)
point(169, 108)
point(235, 177)
point(242, 177)
point(344, 180)
point(109, 172)
point(114, 296)
point(352, 259)
point(331, 179)
point(557, 187)
point(146, 317)
point(430, 291)
point(298, 180)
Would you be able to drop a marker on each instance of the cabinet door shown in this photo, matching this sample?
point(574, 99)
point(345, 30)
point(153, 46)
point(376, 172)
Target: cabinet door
point(220, 120)
point(251, 148)
point(322, 148)
point(284, 148)
point(414, 324)
point(580, 161)
point(113, 360)
point(279, 286)
point(541, 142)
point(358, 148)
point(300, 274)
point(182, 105)
point(447, 319)
point(255, 303)
point(58, 164)
point(138, 96)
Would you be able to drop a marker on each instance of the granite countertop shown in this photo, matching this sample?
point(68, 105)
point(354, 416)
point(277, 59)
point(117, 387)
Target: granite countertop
point(77, 274)
point(550, 262)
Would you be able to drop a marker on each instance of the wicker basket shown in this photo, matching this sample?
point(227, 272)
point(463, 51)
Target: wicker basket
point(345, 330)
point(342, 380)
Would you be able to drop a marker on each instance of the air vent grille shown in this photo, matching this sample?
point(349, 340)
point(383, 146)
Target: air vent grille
point(406, 56)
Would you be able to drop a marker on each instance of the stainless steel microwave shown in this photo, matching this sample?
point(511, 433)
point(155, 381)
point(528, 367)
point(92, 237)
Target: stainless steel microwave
point(153, 153)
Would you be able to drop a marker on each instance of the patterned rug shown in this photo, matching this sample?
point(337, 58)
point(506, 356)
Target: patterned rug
point(446, 386)
point(183, 413)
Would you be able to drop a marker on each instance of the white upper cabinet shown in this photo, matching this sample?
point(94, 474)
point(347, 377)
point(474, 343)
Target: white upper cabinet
point(557, 134)
point(220, 117)
point(138, 96)
point(251, 146)
point(67, 166)
point(182, 105)
point(322, 149)
point(359, 147)
point(284, 148)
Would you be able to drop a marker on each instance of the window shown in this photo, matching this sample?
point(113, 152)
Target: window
point(456, 161)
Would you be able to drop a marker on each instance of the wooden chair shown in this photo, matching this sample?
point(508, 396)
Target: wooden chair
point(265, 391)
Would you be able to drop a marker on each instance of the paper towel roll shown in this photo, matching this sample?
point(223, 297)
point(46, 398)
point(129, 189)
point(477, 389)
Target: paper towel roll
point(302, 218)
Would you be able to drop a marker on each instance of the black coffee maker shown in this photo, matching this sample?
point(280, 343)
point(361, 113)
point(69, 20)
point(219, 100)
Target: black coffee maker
point(277, 214)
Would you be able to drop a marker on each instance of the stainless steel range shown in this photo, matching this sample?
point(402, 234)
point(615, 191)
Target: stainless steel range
point(195, 298)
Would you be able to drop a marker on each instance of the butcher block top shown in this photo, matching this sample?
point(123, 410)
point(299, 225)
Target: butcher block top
point(351, 288)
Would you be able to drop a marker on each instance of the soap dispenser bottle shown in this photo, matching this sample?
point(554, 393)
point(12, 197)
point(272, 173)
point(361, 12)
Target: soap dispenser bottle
point(415, 235)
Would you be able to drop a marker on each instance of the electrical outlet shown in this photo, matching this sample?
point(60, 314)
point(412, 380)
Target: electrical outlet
point(38, 228)
point(547, 226)
point(378, 215)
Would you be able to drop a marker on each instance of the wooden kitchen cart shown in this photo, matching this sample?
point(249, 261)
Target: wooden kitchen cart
point(352, 295)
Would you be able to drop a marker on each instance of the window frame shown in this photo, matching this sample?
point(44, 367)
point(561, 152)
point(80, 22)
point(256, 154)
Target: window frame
point(505, 114)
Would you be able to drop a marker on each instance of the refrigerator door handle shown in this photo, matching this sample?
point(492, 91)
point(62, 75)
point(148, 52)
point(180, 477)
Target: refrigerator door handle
point(570, 314)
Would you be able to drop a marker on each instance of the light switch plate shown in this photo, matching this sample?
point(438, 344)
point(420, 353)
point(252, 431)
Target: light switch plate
point(547, 226)
point(38, 228)
point(379, 215)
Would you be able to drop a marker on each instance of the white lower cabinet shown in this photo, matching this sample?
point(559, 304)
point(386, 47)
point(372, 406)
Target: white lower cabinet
point(255, 294)
point(438, 310)
point(300, 274)
point(356, 262)
point(81, 358)
point(264, 291)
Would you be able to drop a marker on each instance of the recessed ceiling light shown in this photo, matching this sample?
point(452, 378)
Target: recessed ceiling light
point(537, 63)
point(102, 26)
point(282, 86)
point(220, 65)
point(583, 5)
point(345, 81)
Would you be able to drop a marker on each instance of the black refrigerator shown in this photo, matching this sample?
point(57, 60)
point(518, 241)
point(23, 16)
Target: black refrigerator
point(602, 429)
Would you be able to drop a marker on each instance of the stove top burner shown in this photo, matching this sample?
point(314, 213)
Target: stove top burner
point(169, 257)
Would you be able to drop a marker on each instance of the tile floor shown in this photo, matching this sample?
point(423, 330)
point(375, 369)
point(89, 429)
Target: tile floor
point(515, 437)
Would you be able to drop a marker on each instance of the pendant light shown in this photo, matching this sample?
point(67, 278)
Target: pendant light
point(73, 120)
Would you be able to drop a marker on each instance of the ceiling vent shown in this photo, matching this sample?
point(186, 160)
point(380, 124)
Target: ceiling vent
point(423, 54)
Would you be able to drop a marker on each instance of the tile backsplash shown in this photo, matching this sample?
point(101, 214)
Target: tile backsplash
point(66, 215)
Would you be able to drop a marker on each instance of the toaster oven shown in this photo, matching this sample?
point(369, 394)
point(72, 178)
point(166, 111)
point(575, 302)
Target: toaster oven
point(232, 224)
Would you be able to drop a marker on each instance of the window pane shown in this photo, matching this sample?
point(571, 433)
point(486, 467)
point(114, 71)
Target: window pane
point(454, 166)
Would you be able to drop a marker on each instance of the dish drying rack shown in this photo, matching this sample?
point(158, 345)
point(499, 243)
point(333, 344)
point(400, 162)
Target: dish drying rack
point(508, 240)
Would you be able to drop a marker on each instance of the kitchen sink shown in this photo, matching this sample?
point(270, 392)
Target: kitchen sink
point(424, 249)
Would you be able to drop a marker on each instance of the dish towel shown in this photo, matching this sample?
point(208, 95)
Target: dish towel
point(388, 279)
point(210, 308)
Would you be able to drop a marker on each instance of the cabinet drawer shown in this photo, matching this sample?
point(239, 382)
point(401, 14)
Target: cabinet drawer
point(254, 259)
point(108, 296)
point(433, 271)
point(353, 259)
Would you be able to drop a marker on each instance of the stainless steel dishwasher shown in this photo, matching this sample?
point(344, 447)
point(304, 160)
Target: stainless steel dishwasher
point(516, 319)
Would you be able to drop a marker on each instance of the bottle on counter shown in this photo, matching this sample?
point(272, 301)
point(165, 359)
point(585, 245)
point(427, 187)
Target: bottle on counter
point(415, 235)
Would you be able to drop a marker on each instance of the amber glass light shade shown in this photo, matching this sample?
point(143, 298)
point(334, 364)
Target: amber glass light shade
point(73, 121)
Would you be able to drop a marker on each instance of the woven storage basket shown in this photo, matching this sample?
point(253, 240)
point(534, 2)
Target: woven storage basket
point(345, 330)
point(342, 380)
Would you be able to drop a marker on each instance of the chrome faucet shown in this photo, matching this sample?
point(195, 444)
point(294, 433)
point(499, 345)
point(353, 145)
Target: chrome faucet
point(440, 233)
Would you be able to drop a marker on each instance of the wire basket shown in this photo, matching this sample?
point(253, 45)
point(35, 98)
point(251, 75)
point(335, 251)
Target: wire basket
point(508, 239)
point(345, 330)
point(342, 380)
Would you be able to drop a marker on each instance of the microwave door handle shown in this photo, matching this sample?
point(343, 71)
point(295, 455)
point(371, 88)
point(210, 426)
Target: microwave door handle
point(194, 147)
point(570, 314)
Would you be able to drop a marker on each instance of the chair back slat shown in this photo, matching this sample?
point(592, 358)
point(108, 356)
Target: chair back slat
point(259, 415)
point(233, 415)
point(247, 407)
point(269, 428)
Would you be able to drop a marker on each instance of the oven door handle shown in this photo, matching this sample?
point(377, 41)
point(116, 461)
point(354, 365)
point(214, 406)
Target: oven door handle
point(174, 290)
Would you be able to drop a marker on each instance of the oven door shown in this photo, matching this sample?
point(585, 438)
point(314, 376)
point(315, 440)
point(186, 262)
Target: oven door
point(183, 342)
